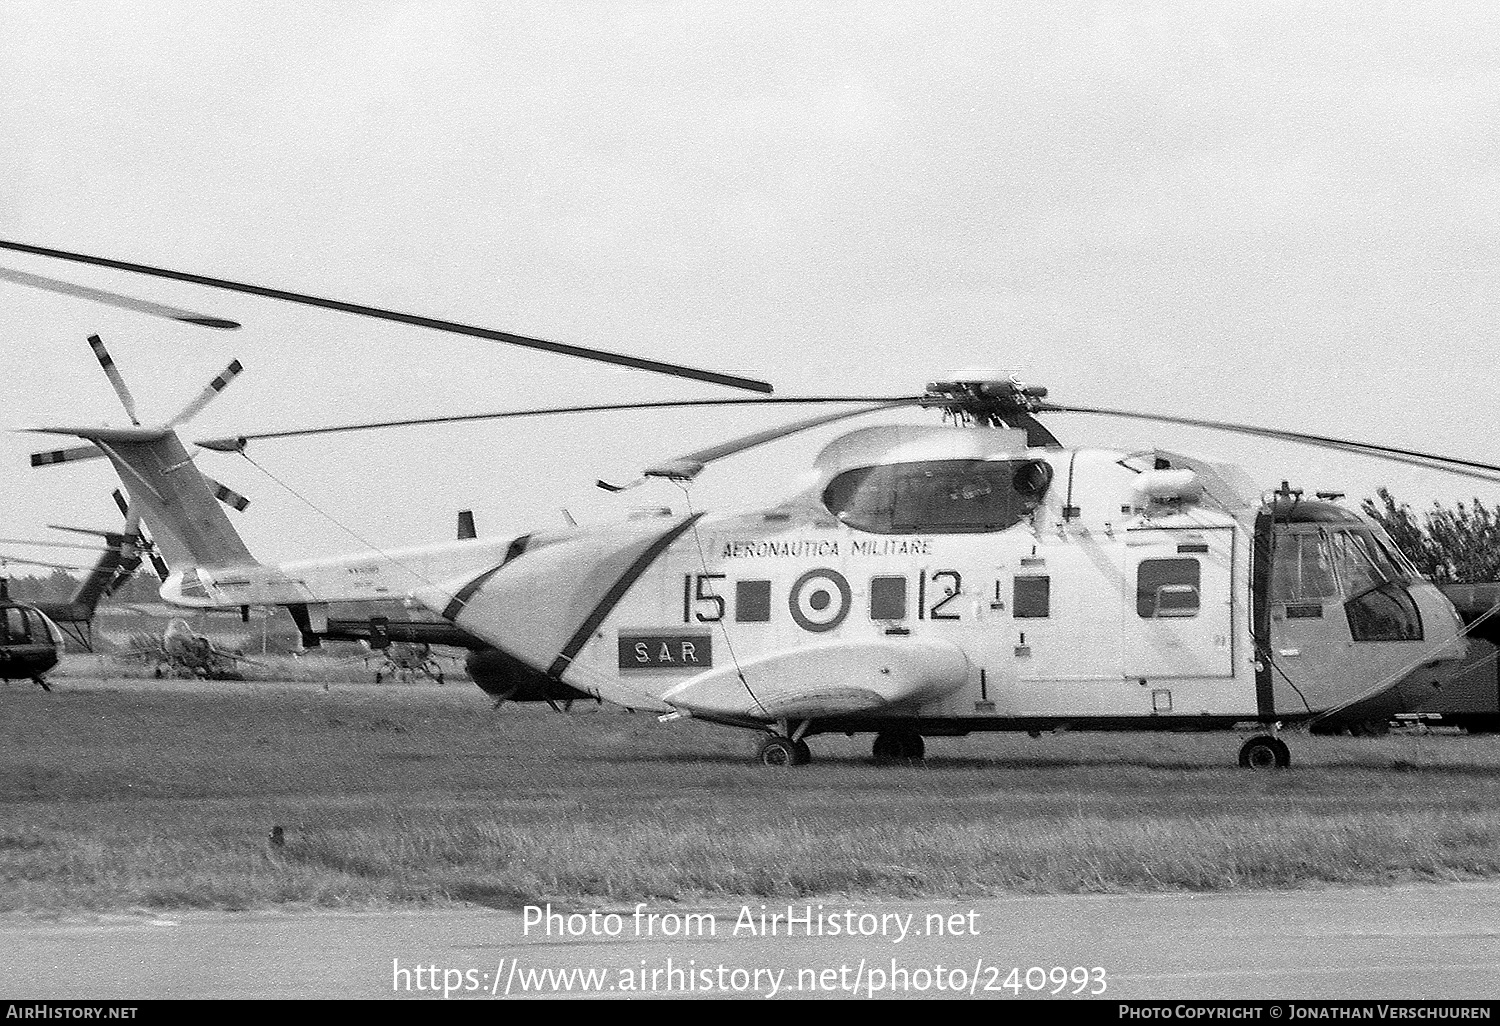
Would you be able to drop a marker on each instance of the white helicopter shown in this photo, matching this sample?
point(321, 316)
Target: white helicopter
point(923, 581)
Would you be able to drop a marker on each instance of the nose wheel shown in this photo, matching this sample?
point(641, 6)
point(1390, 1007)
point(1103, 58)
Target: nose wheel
point(1264, 752)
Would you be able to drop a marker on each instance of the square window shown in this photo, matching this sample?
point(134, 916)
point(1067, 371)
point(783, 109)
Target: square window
point(1031, 598)
point(752, 601)
point(887, 598)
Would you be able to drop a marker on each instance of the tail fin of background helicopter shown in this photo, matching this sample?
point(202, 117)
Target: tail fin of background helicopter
point(122, 556)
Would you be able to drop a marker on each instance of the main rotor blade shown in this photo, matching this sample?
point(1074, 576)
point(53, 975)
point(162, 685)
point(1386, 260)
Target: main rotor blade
point(690, 465)
point(237, 442)
point(113, 374)
point(1413, 457)
point(36, 281)
point(562, 349)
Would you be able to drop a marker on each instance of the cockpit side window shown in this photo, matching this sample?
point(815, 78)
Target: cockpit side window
point(1386, 613)
point(938, 496)
point(1360, 562)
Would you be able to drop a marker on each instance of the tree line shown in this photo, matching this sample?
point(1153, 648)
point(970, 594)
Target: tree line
point(1461, 543)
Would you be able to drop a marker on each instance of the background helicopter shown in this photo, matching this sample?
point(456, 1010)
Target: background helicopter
point(119, 558)
point(978, 576)
point(30, 644)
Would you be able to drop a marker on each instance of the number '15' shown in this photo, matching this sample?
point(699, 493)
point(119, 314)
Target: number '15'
point(697, 589)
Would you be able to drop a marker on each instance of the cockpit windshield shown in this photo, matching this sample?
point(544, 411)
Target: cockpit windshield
point(1334, 562)
point(1353, 563)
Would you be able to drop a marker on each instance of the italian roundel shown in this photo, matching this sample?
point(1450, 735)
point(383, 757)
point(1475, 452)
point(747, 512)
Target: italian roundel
point(819, 600)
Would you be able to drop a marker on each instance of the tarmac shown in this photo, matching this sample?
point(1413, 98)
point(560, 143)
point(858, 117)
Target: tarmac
point(1422, 942)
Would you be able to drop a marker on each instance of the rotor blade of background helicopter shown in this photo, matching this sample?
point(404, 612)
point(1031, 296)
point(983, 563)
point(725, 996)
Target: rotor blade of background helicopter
point(1433, 461)
point(236, 442)
point(36, 281)
point(33, 562)
point(58, 544)
point(562, 349)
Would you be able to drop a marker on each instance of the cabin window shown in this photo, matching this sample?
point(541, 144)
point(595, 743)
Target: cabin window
point(887, 598)
point(1385, 613)
point(752, 601)
point(1031, 597)
point(938, 496)
point(16, 630)
point(1167, 588)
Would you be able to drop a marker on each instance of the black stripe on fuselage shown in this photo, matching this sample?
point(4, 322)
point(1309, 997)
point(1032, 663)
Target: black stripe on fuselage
point(612, 597)
point(1260, 614)
point(462, 596)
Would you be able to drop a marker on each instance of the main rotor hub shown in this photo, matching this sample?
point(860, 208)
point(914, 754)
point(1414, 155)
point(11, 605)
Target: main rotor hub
point(984, 400)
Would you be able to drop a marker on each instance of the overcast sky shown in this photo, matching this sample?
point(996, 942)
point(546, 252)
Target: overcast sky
point(1285, 214)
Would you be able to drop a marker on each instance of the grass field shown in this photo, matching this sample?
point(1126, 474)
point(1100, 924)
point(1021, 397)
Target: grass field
point(160, 794)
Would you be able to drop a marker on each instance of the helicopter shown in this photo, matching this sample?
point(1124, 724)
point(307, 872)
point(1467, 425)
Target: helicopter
point(936, 580)
point(119, 558)
point(30, 644)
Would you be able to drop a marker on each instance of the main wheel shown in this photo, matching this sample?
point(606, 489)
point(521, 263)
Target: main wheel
point(898, 746)
point(778, 751)
point(1264, 752)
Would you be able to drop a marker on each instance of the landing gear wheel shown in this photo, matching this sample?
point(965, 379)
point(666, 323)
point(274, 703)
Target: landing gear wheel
point(1264, 752)
point(778, 751)
point(804, 753)
point(898, 746)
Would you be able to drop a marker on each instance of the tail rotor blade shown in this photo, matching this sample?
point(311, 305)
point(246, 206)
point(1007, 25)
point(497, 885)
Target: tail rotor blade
point(228, 496)
point(113, 373)
point(206, 396)
point(72, 455)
